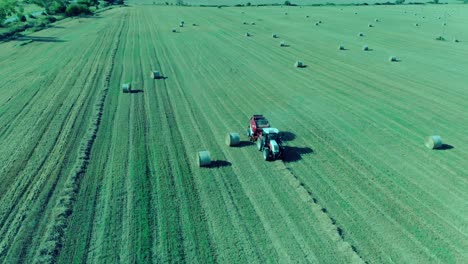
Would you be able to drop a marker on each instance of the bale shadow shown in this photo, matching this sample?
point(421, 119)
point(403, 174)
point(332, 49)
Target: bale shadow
point(445, 147)
point(243, 144)
point(302, 67)
point(137, 91)
point(220, 164)
point(287, 136)
point(293, 154)
point(161, 78)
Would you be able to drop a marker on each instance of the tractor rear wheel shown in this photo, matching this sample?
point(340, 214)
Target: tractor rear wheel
point(266, 154)
point(259, 144)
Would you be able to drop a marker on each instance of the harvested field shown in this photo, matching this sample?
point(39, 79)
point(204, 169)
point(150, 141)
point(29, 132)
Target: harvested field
point(92, 174)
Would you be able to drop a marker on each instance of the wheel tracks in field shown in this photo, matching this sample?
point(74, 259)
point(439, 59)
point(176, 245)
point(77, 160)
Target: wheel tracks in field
point(170, 116)
point(52, 239)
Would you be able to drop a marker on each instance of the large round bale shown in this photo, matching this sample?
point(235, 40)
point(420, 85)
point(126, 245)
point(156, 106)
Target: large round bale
point(204, 159)
point(370, 25)
point(341, 47)
point(392, 59)
point(282, 44)
point(181, 25)
point(360, 34)
point(299, 64)
point(365, 48)
point(247, 34)
point(376, 20)
point(253, 23)
point(433, 142)
point(156, 75)
point(232, 139)
point(126, 87)
point(174, 30)
point(275, 35)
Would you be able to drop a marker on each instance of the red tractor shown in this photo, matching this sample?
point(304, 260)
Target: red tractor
point(268, 139)
point(269, 142)
point(257, 124)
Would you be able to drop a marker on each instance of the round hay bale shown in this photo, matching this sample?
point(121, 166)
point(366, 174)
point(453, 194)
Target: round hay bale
point(376, 20)
point(416, 24)
point(370, 25)
point(182, 22)
point(456, 40)
point(233, 139)
point(286, 13)
point(204, 158)
point(174, 30)
point(155, 75)
point(282, 44)
point(274, 35)
point(298, 64)
point(360, 34)
point(365, 48)
point(253, 23)
point(126, 87)
point(341, 47)
point(194, 24)
point(392, 59)
point(433, 142)
point(316, 23)
point(181, 25)
point(307, 16)
point(444, 24)
point(320, 21)
point(247, 34)
point(245, 23)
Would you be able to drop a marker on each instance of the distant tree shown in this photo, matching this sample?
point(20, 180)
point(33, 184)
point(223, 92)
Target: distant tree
point(249, 4)
point(180, 2)
point(7, 8)
point(436, 1)
point(399, 2)
point(288, 3)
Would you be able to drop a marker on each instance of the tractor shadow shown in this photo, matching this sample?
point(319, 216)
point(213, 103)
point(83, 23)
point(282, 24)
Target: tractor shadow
point(137, 91)
point(220, 164)
point(445, 147)
point(287, 136)
point(293, 154)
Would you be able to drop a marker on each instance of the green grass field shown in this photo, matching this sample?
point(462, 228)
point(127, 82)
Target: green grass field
point(93, 175)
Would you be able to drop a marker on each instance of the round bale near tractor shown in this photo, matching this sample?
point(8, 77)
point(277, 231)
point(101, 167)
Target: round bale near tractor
point(156, 75)
point(232, 139)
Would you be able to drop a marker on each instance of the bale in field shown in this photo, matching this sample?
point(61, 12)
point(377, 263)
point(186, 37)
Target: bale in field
point(392, 59)
point(376, 20)
point(320, 21)
point(275, 36)
point(307, 16)
point(194, 24)
point(444, 24)
point(232, 139)
point(299, 64)
point(245, 23)
point(283, 44)
point(253, 23)
point(182, 22)
point(181, 25)
point(126, 88)
point(433, 142)
point(174, 30)
point(156, 75)
point(456, 40)
point(365, 48)
point(341, 47)
point(370, 25)
point(247, 34)
point(204, 159)
point(316, 23)
point(286, 13)
point(360, 34)
point(416, 24)
point(440, 38)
